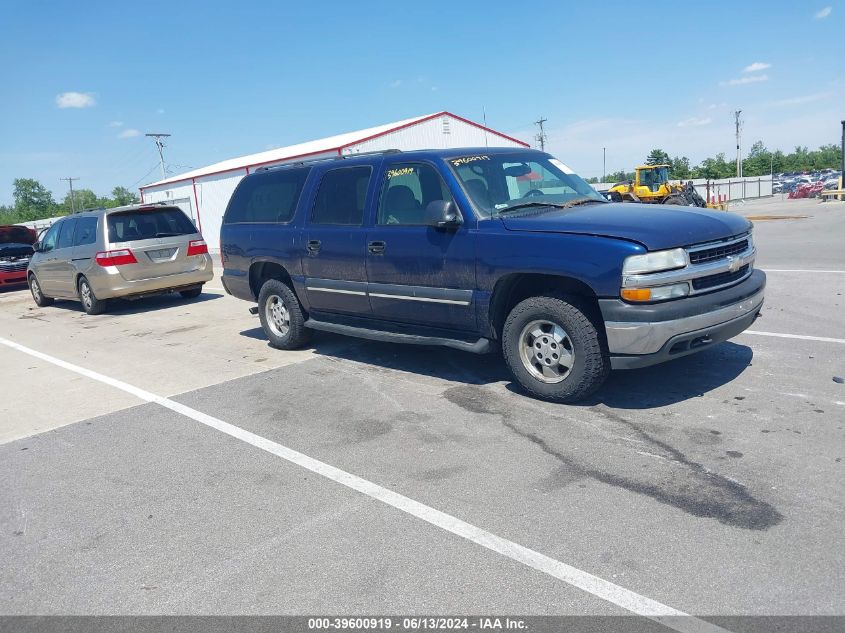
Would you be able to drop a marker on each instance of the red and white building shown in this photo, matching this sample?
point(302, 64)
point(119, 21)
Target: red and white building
point(204, 193)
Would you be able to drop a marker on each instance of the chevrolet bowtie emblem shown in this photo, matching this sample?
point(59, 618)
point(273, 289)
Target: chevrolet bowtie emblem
point(734, 263)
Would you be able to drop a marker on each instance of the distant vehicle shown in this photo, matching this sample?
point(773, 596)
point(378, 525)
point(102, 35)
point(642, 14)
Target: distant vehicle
point(483, 249)
point(15, 252)
point(127, 252)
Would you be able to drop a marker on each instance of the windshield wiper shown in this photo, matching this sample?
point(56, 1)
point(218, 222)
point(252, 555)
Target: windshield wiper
point(556, 205)
point(577, 201)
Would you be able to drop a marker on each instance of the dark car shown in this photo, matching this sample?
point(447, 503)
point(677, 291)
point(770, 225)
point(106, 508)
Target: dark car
point(483, 248)
point(15, 252)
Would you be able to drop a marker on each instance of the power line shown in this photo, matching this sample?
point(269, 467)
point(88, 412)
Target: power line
point(542, 137)
point(70, 184)
point(152, 169)
point(160, 145)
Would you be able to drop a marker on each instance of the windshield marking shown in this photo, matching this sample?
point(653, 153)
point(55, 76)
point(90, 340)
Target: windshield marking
point(457, 162)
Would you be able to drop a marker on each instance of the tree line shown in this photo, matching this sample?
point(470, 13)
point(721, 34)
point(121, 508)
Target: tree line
point(759, 162)
point(33, 201)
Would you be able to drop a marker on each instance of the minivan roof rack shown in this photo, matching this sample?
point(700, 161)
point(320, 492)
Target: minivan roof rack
point(327, 158)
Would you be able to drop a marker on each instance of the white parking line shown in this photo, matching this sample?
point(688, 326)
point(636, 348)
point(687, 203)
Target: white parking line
point(624, 598)
point(791, 270)
point(802, 337)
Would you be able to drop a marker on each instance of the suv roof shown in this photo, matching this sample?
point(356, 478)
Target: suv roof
point(126, 207)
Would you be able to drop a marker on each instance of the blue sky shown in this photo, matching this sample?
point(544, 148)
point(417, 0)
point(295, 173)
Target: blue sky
point(227, 79)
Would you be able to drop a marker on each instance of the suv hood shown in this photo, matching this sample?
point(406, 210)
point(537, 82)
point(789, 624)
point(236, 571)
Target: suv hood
point(654, 226)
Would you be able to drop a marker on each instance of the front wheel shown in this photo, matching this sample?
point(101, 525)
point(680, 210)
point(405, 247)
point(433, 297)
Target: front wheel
point(38, 296)
point(554, 350)
point(281, 316)
point(89, 300)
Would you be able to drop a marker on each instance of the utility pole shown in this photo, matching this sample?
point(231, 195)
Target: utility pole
point(160, 145)
point(842, 174)
point(70, 183)
point(541, 137)
point(603, 164)
point(738, 123)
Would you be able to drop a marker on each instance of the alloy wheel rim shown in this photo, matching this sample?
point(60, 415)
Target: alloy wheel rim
point(546, 351)
point(278, 315)
point(36, 291)
point(86, 294)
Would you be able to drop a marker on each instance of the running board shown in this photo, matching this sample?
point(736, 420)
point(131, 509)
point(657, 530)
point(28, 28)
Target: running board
point(481, 346)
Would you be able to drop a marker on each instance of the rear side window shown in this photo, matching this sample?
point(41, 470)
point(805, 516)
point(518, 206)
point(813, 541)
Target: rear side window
point(270, 196)
point(86, 231)
point(145, 224)
point(66, 234)
point(341, 196)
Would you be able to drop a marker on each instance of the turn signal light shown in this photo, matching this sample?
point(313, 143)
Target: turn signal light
point(115, 258)
point(636, 294)
point(197, 247)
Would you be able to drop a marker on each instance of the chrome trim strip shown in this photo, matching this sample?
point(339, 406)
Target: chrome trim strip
point(337, 290)
point(708, 245)
point(649, 338)
point(426, 299)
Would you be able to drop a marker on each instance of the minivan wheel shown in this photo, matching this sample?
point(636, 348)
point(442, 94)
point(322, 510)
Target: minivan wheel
point(89, 300)
point(281, 316)
point(40, 299)
point(191, 293)
point(554, 350)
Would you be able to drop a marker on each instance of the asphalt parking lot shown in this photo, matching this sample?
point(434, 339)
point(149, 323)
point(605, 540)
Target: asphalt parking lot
point(712, 485)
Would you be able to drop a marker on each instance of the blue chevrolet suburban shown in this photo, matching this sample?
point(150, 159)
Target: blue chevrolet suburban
point(480, 249)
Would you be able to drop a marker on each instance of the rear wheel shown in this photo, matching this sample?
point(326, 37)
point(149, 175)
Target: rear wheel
point(281, 316)
point(681, 201)
point(89, 300)
point(38, 296)
point(191, 293)
point(553, 349)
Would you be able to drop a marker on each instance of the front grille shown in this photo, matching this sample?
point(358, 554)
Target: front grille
point(720, 279)
point(13, 267)
point(717, 252)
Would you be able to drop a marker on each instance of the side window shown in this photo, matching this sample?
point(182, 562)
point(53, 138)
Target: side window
point(408, 189)
point(270, 196)
point(66, 235)
point(48, 242)
point(341, 196)
point(86, 231)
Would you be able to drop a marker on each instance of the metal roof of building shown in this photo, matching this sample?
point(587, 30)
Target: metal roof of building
point(331, 143)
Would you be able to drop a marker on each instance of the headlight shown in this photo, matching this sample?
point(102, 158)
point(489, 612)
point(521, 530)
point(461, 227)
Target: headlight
point(657, 293)
point(751, 240)
point(655, 262)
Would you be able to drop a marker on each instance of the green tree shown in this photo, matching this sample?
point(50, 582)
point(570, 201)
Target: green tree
point(657, 157)
point(121, 196)
point(680, 168)
point(33, 200)
point(82, 199)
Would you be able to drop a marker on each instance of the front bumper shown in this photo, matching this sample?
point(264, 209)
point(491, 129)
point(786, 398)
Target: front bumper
point(638, 336)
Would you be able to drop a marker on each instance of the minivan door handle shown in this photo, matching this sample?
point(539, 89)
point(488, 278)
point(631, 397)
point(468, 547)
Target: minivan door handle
point(314, 246)
point(377, 247)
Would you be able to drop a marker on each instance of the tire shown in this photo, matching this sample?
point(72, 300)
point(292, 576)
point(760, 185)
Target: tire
point(191, 293)
point(677, 200)
point(281, 316)
point(89, 300)
point(552, 336)
point(41, 300)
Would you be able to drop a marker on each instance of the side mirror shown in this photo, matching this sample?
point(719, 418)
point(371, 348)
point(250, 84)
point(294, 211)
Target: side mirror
point(442, 214)
point(36, 248)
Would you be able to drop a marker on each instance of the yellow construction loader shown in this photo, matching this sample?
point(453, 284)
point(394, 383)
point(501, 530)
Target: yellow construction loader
point(651, 185)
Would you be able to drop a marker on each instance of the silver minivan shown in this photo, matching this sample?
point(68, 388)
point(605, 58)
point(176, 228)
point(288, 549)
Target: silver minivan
point(126, 252)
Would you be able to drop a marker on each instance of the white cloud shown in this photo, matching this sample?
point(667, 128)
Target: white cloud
point(740, 81)
point(116, 124)
point(160, 111)
point(716, 106)
point(395, 83)
point(823, 13)
point(756, 67)
point(695, 122)
point(819, 96)
point(130, 133)
point(76, 100)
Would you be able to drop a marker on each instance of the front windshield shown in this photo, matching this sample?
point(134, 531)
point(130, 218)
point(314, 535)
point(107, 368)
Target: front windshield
point(497, 182)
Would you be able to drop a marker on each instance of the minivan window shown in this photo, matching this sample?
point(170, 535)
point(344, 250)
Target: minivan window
point(48, 242)
point(269, 196)
point(86, 231)
point(341, 196)
point(145, 224)
point(408, 189)
point(66, 235)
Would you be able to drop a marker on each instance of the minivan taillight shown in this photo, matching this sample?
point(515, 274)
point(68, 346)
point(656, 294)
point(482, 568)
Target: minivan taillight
point(197, 247)
point(115, 258)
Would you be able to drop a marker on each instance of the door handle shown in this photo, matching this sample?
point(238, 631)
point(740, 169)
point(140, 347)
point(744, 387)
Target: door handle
point(314, 246)
point(377, 247)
